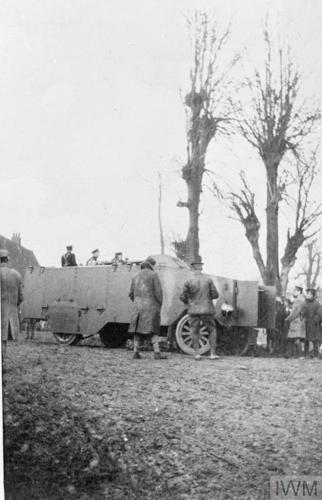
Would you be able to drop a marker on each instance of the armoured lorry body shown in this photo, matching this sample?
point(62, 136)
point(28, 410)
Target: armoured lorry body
point(79, 302)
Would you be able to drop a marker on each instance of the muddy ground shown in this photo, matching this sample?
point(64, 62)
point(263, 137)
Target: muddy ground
point(87, 422)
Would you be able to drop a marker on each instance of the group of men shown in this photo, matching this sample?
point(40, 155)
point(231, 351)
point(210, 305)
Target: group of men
point(146, 293)
point(69, 258)
point(303, 323)
point(302, 326)
point(198, 294)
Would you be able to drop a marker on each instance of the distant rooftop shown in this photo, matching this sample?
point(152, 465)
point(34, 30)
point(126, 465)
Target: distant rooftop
point(20, 257)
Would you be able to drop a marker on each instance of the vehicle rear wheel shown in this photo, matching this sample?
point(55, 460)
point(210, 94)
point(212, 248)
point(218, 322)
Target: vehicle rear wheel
point(184, 337)
point(114, 335)
point(67, 338)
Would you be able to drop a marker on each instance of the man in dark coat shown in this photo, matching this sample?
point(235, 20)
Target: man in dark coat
point(11, 298)
point(296, 331)
point(199, 293)
point(146, 293)
point(68, 259)
point(313, 316)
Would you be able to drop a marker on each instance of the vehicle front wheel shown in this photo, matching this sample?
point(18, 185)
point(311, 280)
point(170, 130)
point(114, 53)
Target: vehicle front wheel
point(67, 338)
point(184, 337)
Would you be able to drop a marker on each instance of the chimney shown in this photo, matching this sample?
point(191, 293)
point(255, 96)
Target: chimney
point(16, 238)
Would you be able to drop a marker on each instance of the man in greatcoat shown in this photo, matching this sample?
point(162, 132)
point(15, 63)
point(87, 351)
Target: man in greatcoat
point(313, 317)
point(199, 293)
point(296, 331)
point(146, 293)
point(11, 298)
point(69, 258)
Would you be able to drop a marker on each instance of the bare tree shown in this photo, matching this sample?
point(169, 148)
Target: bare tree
point(311, 270)
point(207, 114)
point(160, 214)
point(275, 124)
point(306, 213)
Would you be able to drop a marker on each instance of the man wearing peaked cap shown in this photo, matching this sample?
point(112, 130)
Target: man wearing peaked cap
point(198, 293)
point(93, 261)
point(4, 253)
point(11, 298)
point(146, 293)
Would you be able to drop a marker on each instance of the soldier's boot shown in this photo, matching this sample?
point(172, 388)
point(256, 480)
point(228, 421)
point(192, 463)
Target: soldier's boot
point(159, 355)
point(316, 348)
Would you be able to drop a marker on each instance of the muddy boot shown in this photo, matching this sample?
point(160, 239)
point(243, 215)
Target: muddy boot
point(159, 355)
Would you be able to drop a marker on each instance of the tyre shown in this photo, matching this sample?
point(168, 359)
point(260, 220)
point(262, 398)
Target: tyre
point(67, 338)
point(114, 335)
point(184, 337)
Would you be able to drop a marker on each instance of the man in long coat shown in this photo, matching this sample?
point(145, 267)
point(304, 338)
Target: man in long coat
point(295, 320)
point(146, 293)
point(313, 318)
point(199, 293)
point(11, 298)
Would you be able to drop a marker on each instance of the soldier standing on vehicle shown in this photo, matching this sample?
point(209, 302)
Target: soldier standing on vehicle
point(313, 317)
point(11, 298)
point(146, 293)
point(68, 259)
point(118, 258)
point(93, 261)
point(296, 331)
point(199, 293)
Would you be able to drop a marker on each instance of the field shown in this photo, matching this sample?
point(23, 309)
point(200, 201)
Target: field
point(87, 422)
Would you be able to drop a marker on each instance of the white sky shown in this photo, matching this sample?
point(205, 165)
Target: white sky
point(90, 110)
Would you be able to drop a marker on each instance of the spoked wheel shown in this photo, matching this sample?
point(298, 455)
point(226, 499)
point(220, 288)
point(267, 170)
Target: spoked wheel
point(67, 338)
point(184, 338)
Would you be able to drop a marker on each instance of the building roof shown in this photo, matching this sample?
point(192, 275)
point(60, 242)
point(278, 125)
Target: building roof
point(20, 257)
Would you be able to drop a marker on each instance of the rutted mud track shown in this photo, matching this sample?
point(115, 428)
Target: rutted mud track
point(175, 429)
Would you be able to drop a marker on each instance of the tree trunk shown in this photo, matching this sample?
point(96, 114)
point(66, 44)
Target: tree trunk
point(192, 239)
point(160, 215)
point(272, 261)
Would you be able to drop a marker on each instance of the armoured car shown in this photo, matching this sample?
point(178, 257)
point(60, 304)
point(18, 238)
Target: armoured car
point(79, 302)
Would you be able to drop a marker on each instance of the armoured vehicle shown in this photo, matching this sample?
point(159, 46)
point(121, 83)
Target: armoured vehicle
point(79, 302)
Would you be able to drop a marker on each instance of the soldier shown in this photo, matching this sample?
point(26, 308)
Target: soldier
point(93, 261)
point(313, 317)
point(68, 259)
point(146, 293)
point(296, 330)
point(198, 293)
point(11, 298)
point(118, 258)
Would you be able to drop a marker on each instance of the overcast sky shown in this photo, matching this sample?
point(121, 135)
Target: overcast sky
point(91, 110)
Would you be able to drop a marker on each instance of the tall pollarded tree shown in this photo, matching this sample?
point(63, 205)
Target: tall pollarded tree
point(275, 123)
point(207, 113)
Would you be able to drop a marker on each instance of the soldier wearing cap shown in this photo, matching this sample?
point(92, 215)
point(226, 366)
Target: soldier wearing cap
point(199, 293)
point(296, 331)
point(313, 317)
point(146, 293)
point(11, 298)
point(118, 258)
point(68, 259)
point(93, 261)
